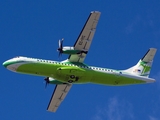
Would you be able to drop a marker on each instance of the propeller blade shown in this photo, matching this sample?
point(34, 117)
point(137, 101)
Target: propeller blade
point(60, 49)
point(59, 43)
point(59, 55)
point(62, 43)
point(46, 82)
point(46, 85)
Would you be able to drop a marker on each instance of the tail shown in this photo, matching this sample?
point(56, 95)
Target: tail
point(143, 67)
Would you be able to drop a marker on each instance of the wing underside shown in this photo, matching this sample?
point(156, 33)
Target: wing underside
point(85, 38)
point(58, 96)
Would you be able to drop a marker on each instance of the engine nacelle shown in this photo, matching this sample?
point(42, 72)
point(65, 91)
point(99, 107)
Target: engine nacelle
point(71, 50)
point(53, 81)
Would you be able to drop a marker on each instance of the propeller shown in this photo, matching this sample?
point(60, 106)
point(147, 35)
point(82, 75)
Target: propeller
point(60, 49)
point(47, 81)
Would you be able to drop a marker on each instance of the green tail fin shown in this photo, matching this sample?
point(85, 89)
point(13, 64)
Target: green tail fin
point(143, 67)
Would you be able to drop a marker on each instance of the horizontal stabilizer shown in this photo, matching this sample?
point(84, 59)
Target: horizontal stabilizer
point(149, 55)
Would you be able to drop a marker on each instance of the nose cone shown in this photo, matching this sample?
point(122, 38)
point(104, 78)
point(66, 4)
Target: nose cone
point(8, 63)
point(5, 64)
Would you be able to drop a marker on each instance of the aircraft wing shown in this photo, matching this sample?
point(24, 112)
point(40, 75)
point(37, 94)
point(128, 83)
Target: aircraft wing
point(58, 96)
point(85, 38)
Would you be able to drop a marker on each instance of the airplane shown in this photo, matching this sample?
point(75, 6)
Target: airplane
point(74, 71)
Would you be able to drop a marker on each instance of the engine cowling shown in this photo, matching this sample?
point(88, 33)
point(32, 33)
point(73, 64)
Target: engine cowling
point(70, 50)
point(53, 81)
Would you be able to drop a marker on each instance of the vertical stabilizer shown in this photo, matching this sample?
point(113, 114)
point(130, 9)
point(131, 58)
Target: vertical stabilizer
point(143, 67)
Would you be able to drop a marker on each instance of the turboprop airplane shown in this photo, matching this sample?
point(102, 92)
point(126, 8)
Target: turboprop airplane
point(74, 71)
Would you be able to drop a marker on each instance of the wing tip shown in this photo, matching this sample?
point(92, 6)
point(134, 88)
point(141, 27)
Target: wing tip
point(154, 49)
point(95, 12)
point(149, 55)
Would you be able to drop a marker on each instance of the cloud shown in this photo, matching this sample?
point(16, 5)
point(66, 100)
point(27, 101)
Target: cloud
point(131, 26)
point(146, 23)
point(157, 78)
point(156, 34)
point(152, 118)
point(119, 109)
point(115, 109)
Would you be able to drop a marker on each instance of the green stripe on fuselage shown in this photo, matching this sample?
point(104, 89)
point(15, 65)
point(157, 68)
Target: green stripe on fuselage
point(5, 64)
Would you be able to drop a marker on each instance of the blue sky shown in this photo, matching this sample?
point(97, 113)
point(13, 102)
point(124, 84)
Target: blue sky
point(126, 30)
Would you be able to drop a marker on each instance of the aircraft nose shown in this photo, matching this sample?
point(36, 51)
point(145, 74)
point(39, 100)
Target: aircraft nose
point(10, 65)
point(5, 64)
